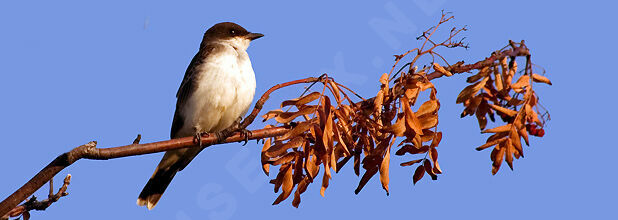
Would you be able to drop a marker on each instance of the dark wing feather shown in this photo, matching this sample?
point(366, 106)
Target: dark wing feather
point(186, 87)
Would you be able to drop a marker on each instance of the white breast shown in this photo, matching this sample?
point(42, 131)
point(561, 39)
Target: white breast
point(225, 89)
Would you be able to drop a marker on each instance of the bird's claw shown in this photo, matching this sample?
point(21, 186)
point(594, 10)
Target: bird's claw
point(246, 134)
point(197, 138)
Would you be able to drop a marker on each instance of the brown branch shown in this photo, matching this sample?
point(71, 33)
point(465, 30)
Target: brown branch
point(33, 204)
point(89, 150)
point(520, 50)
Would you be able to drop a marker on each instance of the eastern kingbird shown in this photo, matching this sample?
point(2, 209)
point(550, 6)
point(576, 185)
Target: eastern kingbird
point(217, 90)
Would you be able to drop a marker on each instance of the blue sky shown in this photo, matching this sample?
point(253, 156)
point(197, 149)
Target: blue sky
point(72, 72)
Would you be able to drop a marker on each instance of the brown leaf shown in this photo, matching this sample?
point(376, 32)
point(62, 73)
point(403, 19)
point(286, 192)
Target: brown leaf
point(498, 79)
point(436, 140)
point(384, 79)
point(384, 169)
point(524, 134)
point(515, 141)
point(436, 168)
point(412, 93)
point(410, 163)
point(300, 188)
point(428, 121)
point(366, 177)
point(398, 128)
point(302, 100)
point(491, 143)
point(325, 179)
point(285, 159)
point(300, 128)
point(336, 91)
point(433, 154)
point(265, 165)
point(503, 128)
point(521, 82)
point(272, 114)
point(279, 149)
point(311, 166)
point(471, 90)
point(286, 117)
point(482, 73)
point(498, 157)
point(429, 169)
point(286, 186)
point(539, 78)
point(506, 111)
point(429, 107)
point(411, 119)
point(418, 174)
point(440, 69)
point(509, 153)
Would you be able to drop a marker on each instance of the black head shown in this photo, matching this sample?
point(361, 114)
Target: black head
point(227, 30)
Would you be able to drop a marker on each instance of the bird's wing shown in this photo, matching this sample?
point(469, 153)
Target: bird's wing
point(186, 86)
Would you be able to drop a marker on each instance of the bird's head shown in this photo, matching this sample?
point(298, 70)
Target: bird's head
point(232, 33)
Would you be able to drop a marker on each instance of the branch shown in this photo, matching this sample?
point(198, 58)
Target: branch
point(516, 51)
point(33, 204)
point(89, 150)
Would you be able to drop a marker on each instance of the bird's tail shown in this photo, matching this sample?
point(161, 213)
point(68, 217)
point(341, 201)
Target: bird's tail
point(155, 187)
point(172, 162)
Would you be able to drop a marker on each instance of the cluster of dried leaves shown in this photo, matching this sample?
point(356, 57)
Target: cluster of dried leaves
point(327, 135)
point(499, 89)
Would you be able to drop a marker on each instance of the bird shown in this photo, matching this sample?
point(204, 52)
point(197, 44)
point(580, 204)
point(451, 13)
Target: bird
point(216, 91)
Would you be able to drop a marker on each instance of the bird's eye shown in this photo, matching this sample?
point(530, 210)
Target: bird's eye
point(232, 32)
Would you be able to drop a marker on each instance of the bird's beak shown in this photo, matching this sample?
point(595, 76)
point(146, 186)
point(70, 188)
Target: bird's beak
point(253, 36)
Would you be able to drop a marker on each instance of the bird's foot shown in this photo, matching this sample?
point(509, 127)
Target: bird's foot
point(197, 138)
point(246, 134)
point(222, 135)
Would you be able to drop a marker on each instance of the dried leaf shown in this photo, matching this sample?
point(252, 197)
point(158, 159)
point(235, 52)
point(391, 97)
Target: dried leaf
point(428, 107)
point(471, 90)
point(265, 165)
point(300, 128)
point(384, 79)
point(429, 169)
point(498, 157)
point(498, 79)
point(506, 111)
point(440, 69)
point(539, 78)
point(428, 121)
point(411, 119)
point(279, 149)
point(482, 73)
point(398, 128)
point(366, 177)
point(302, 186)
point(418, 174)
point(286, 186)
point(285, 159)
point(503, 128)
point(325, 179)
point(436, 139)
point(302, 100)
point(384, 169)
point(286, 117)
point(521, 82)
point(515, 141)
point(410, 163)
point(509, 154)
point(490, 143)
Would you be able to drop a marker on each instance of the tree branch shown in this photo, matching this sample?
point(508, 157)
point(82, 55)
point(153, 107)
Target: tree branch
point(89, 150)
